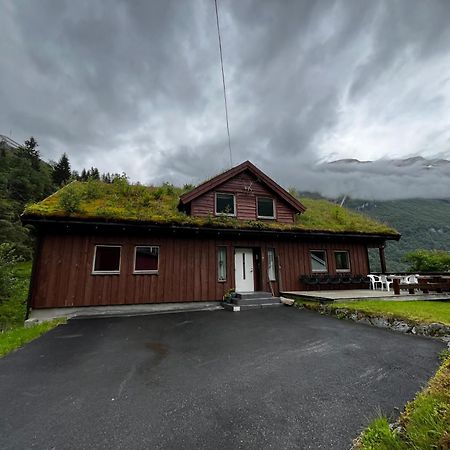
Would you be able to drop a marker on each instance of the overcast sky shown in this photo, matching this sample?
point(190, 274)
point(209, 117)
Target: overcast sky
point(135, 86)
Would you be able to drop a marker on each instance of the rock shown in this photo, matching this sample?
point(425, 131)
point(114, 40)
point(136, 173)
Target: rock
point(420, 329)
point(401, 326)
point(354, 317)
point(379, 322)
point(287, 301)
point(30, 323)
point(436, 329)
point(364, 320)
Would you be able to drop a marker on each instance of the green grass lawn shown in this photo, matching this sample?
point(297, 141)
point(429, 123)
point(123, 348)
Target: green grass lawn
point(13, 334)
point(417, 311)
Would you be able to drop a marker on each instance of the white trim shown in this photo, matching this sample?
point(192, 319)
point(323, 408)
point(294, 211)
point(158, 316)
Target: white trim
point(274, 208)
point(145, 272)
point(326, 261)
point(106, 272)
point(348, 259)
point(234, 204)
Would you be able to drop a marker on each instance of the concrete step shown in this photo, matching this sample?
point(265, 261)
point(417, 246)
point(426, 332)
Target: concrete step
point(232, 307)
point(256, 294)
point(256, 301)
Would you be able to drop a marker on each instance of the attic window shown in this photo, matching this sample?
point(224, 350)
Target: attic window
point(266, 208)
point(225, 204)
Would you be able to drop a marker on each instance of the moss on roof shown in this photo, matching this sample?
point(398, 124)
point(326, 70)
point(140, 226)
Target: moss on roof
point(120, 201)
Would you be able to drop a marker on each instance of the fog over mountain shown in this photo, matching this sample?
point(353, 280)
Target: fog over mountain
point(383, 179)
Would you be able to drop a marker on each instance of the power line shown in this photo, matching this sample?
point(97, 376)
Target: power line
point(223, 82)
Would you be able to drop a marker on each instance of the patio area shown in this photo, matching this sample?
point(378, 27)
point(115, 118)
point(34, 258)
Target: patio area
point(362, 294)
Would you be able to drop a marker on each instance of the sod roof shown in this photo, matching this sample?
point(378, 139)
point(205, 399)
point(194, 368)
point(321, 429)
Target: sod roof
point(123, 202)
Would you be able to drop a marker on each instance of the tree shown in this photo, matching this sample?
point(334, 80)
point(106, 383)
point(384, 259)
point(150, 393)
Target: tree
point(429, 261)
point(30, 151)
point(61, 171)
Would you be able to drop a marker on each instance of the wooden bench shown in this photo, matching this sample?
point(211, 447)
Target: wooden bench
point(423, 285)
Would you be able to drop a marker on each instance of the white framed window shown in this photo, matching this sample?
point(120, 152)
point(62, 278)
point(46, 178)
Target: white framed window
point(318, 261)
point(146, 259)
point(265, 208)
point(225, 204)
point(342, 260)
point(221, 263)
point(271, 269)
point(107, 260)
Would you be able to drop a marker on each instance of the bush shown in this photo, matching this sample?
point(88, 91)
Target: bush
point(7, 261)
point(70, 200)
point(92, 189)
point(429, 261)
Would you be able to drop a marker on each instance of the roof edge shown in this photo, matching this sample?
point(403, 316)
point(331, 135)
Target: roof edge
point(35, 220)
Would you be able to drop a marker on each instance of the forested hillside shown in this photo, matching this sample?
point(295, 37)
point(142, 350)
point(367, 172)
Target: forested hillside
point(24, 178)
point(423, 223)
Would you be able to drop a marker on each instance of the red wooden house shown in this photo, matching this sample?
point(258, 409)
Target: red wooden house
point(238, 231)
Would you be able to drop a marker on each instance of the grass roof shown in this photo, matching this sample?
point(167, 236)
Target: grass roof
point(120, 201)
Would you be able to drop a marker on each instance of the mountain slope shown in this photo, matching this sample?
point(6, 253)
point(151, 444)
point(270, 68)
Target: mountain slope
point(423, 223)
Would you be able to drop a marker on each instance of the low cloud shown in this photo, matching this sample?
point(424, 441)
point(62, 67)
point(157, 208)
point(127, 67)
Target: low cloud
point(136, 87)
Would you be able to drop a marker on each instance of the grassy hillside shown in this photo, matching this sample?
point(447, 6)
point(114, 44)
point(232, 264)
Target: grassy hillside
point(423, 223)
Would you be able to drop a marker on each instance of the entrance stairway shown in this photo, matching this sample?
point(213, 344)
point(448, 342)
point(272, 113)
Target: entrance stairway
point(241, 301)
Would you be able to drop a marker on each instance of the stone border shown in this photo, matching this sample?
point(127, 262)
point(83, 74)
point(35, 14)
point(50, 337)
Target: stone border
point(435, 329)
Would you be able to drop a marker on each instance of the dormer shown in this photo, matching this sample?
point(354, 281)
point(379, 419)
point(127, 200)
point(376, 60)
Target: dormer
point(243, 192)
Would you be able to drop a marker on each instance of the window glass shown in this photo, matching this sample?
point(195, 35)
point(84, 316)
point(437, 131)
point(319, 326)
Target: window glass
point(146, 258)
point(107, 258)
point(265, 207)
point(222, 263)
point(225, 204)
point(271, 264)
point(342, 260)
point(318, 261)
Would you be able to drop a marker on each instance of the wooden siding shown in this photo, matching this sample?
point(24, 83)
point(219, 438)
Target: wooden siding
point(245, 201)
point(187, 269)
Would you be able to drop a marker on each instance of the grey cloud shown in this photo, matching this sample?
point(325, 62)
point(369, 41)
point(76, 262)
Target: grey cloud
point(136, 87)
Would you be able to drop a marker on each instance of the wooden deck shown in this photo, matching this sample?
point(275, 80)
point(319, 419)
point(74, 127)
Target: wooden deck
point(362, 294)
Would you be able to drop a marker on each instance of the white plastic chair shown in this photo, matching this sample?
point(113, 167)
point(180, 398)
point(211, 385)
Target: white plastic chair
point(385, 282)
point(374, 280)
point(412, 279)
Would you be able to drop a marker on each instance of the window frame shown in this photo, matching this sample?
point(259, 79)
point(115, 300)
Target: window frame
point(106, 272)
point(223, 213)
point(221, 248)
point(271, 250)
point(326, 261)
point(273, 205)
point(348, 260)
point(145, 272)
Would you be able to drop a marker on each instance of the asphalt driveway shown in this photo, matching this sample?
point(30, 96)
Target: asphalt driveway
point(274, 378)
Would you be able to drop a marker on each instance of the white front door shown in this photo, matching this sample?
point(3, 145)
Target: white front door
point(243, 270)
